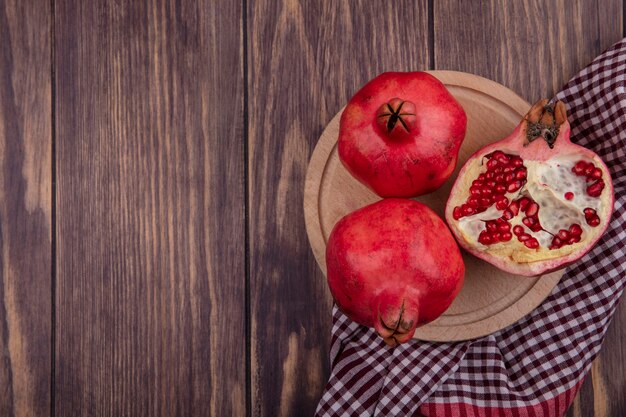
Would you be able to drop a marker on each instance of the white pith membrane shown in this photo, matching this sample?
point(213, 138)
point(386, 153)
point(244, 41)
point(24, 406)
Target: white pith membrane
point(547, 184)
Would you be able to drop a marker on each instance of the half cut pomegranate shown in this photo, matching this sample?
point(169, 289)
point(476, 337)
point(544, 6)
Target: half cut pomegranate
point(533, 202)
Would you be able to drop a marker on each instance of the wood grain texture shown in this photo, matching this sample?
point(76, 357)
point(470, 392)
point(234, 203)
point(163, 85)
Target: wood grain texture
point(306, 59)
point(25, 208)
point(150, 277)
point(534, 47)
point(531, 46)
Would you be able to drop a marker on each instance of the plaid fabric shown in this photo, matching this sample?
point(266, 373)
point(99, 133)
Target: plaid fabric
point(534, 367)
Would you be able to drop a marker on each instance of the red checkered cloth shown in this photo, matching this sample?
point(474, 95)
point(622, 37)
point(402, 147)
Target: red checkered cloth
point(535, 366)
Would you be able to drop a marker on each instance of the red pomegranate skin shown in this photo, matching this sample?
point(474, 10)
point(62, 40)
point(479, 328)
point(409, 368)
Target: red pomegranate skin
point(393, 265)
point(410, 154)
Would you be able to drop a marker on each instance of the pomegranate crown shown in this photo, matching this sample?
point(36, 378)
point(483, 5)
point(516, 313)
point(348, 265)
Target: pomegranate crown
point(396, 117)
point(544, 120)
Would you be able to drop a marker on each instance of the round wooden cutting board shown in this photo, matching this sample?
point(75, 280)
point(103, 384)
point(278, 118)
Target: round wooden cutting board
point(490, 299)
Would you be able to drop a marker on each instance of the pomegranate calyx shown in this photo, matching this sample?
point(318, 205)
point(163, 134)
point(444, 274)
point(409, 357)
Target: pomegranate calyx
point(395, 324)
point(396, 117)
point(544, 120)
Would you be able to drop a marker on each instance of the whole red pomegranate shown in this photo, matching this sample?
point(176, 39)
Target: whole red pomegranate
point(533, 202)
point(400, 134)
point(393, 265)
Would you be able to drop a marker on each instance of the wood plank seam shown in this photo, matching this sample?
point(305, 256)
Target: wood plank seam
point(431, 35)
point(53, 211)
point(246, 191)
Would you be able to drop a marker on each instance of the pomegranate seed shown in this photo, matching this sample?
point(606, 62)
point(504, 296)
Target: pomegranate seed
point(481, 177)
point(467, 210)
point(532, 243)
point(523, 237)
point(595, 190)
point(569, 195)
point(579, 168)
point(532, 209)
point(508, 169)
point(474, 191)
point(528, 221)
point(499, 178)
point(476, 183)
point(556, 241)
point(496, 154)
point(563, 234)
point(506, 236)
point(504, 227)
point(490, 183)
point(508, 177)
point(589, 169)
point(484, 238)
point(502, 204)
point(514, 186)
point(523, 202)
point(500, 189)
point(518, 230)
point(575, 230)
point(484, 190)
point(573, 239)
point(589, 212)
point(501, 158)
point(499, 198)
point(473, 201)
point(520, 173)
point(517, 161)
point(492, 226)
point(492, 163)
point(514, 207)
point(489, 175)
point(593, 221)
point(507, 215)
point(456, 213)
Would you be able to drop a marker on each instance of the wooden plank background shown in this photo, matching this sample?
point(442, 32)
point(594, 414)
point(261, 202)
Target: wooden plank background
point(150, 277)
point(25, 208)
point(319, 67)
point(153, 257)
